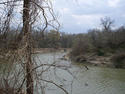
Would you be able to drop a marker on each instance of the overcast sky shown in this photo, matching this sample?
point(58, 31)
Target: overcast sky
point(78, 16)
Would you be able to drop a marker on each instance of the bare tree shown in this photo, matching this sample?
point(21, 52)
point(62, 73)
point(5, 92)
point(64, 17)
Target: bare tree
point(34, 12)
point(107, 23)
point(27, 40)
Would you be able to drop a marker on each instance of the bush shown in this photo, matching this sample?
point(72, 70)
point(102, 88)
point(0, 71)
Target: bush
point(100, 52)
point(82, 45)
point(119, 60)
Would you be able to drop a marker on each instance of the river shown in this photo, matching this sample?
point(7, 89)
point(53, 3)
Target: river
point(95, 80)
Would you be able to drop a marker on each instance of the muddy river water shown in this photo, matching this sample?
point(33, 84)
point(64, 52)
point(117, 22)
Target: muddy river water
point(96, 80)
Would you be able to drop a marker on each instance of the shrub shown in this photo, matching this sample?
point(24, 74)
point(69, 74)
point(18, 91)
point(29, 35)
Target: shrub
point(100, 52)
point(119, 60)
point(82, 45)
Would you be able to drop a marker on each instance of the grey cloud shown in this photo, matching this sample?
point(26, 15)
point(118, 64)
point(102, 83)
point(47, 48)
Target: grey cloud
point(88, 13)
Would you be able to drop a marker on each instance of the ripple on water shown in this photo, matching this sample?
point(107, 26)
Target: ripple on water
point(96, 80)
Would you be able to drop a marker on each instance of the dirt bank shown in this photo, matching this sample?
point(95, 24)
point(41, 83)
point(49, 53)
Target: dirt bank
point(48, 50)
point(94, 59)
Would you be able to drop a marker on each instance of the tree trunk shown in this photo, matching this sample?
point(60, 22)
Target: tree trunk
point(27, 41)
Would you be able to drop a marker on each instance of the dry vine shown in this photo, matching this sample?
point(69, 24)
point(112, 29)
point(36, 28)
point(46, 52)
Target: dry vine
point(20, 72)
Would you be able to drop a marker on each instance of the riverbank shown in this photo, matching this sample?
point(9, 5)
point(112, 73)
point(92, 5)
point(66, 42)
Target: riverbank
point(95, 60)
point(49, 50)
point(109, 60)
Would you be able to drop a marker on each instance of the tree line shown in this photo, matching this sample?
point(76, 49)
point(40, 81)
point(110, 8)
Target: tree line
point(101, 41)
point(47, 39)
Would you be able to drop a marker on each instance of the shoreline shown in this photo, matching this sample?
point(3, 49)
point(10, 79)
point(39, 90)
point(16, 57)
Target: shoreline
point(49, 50)
point(95, 60)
